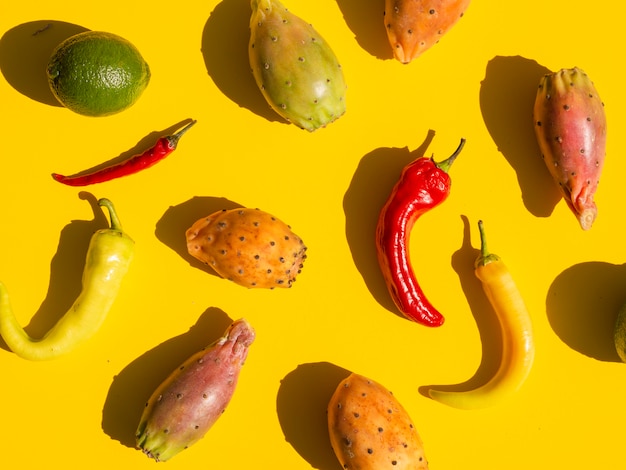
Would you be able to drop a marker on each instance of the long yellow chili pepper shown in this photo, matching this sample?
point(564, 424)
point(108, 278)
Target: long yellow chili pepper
point(518, 348)
point(108, 258)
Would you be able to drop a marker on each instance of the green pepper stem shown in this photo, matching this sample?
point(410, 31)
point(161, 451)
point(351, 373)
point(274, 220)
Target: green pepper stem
point(485, 256)
point(115, 221)
point(447, 163)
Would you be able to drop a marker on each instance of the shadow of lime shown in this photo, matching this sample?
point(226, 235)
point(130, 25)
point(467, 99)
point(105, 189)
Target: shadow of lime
point(507, 97)
point(582, 305)
point(133, 386)
point(301, 405)
point(24, 53)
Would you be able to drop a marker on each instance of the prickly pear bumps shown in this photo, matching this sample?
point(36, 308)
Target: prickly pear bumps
point(249, 247)
point(413, 26)
point(570, 125)
point(294, 67)
point(370, 430)
point(187, 404)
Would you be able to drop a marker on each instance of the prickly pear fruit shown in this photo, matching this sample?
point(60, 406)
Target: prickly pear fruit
point(570, 126)
point(294, 67)
point(185, 406)
point(249, 247)
point(413, 26)
point(370, 430)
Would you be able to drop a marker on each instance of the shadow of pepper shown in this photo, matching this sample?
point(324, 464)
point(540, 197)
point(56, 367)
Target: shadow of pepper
point(171, 227)
point(371, 185)
point(301, 404)
point(24, 54)
point(132, 387)
point(582, 305)
point(225, 50)
point(507, 96)
point(486, 320)
point(366, 20)
point(66, 270)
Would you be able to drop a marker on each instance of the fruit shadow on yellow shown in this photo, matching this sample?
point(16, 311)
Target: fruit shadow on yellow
point(301, 405)
point(133, 386)
point(582, 305)
point(366, 20)
point(371, 185)
point(225, 51)
point(66, 270)
point(24, 54)
point(507, 97)
point(486, 320)
point(144, 144)
point(171, 227)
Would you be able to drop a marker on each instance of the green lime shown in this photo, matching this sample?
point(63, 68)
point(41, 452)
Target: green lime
point(619, 333)
point(95, 73)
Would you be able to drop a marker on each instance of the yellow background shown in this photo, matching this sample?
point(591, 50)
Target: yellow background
point(479, 83)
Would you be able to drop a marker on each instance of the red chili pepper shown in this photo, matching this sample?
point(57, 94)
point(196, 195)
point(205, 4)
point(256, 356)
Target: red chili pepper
point(423, 185)
point(163, 147)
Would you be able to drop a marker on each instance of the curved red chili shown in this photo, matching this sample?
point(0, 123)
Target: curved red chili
point(423, 185)
point(161, 149)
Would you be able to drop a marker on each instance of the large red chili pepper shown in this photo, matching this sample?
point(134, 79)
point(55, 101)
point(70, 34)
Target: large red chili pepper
point(163, 147)
point(423, 185)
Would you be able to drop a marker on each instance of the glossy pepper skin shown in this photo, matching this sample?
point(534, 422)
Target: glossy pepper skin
point(108, 258)
point(518, 348)
point(423, 185)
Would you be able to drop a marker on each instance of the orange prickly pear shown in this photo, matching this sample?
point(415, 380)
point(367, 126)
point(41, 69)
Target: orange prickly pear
point(294, 67)
point(185, 406)
point(413, 26)
point(570, 125)
point(370, 430)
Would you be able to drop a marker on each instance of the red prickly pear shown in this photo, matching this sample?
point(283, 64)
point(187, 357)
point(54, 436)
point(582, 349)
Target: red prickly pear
point(413, 26)
point(294, 67)
point(185, 406)
point(570, 125)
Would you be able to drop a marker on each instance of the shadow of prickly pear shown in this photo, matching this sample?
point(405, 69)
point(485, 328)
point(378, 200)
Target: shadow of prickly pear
point(225, 51)
point(366, 20)
point(507, 97)
point(132, 387)
point(301, 404)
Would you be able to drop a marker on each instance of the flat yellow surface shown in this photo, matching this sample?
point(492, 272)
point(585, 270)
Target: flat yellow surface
point(479, 82)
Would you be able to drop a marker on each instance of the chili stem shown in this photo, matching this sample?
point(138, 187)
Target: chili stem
point(173, 139)
point(447, 163)
point(485, 256)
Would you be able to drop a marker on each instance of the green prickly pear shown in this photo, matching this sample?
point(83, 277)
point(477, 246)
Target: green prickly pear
point(294, 67)
point(570, 125)
point(185, 406)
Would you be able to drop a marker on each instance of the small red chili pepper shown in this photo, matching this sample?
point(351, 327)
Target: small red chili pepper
point(423, 185)
point(163, 147)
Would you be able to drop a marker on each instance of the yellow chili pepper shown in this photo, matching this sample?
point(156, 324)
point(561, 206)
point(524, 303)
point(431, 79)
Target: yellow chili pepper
point(108, 258)
point(518, 348)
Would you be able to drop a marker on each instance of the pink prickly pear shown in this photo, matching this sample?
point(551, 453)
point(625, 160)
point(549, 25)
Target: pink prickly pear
point(294, 67)
point(185, 406)
point(570, 125)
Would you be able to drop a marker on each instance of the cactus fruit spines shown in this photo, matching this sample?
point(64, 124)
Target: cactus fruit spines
point(370, 430)
point(570, 125)
point(187, 404)
point(249, 247)
point(294, 67)
point(413, 26)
